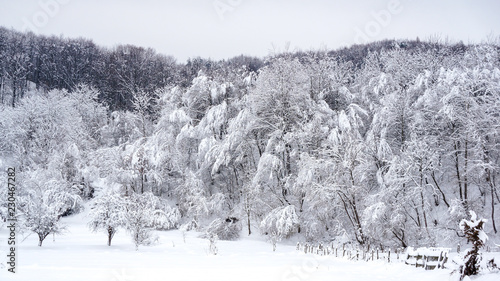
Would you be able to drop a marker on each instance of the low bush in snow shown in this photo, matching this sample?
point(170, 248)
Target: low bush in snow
point(191, 225)
point(282, 221)
point(225, 229)
point(166, 219)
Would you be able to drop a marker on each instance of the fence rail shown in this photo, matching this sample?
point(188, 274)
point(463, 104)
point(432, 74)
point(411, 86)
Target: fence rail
point(428, 258)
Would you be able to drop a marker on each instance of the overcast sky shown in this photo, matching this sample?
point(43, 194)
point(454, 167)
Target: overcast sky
point(221, 29)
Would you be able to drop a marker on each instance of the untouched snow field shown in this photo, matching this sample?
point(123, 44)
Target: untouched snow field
point(83, 255)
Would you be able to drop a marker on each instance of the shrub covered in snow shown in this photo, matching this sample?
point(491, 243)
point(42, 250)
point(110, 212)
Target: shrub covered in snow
point(166, 219)
point(283, 221)
point(191, 225)
point(225, 229)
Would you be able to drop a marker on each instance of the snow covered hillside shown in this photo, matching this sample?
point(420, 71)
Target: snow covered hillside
point(390, 148)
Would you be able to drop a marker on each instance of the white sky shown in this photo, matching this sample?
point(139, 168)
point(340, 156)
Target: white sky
point(221, 29)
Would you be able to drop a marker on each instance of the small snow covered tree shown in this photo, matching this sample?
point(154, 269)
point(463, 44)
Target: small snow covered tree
point(473, 230)
point(212, 239)
point(146, 212)
point(192, 197)
point(44, 202)
point(138, 219)
point(42, 221)
point(108, 214)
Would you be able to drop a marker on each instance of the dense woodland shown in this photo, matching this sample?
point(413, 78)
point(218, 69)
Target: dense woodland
point(386, 144)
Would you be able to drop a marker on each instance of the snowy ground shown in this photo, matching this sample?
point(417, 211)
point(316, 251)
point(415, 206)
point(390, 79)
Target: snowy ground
point(82, 255)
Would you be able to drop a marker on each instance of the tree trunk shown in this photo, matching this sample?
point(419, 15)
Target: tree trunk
point(2, 90)
point(491, 182)
point(433, 176)
point(13, 94)
point(41, 237)
point(136, 240)
point(457, 171)
point(421, 170)
point(492, 191)
point(401, 238)
point(248, 221)
point(142, 183)
point(111, 233)
point(493, 209)
point(466, 162)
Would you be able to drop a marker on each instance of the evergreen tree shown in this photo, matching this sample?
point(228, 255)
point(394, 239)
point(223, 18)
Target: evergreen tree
point(473, 230)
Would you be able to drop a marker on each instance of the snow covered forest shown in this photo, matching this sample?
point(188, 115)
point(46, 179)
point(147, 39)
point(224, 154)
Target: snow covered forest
point(387, 144)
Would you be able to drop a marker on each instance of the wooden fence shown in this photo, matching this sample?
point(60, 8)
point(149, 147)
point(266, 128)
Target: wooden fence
point(427, 258)
point(352, 253)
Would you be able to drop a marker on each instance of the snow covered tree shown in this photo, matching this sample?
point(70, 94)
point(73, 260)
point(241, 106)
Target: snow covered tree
point(108, 214)
point(138, 218)
point(145, 213)
point(473, 230)
point(198, 97)
point(142, 103)
point(43, 201)
point(47, 126)
point(170, 157)
point(17, 63)
point(121, 128)
point(231, 163)
point(329, 79)
point(195, 200)
point(192, 197)
point(344, 158)
point(93, 114)
point(280, 104)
